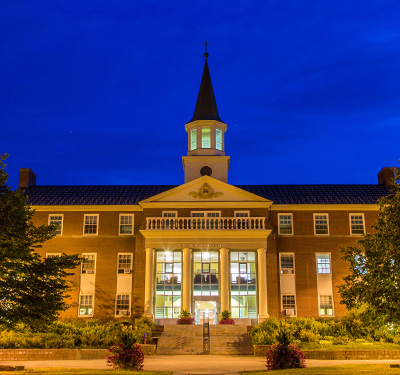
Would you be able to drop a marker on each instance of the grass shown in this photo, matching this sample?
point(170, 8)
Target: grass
point(70, 371)
point(376, 369)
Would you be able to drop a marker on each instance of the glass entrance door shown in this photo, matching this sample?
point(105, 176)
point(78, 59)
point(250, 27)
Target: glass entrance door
point(204, 309)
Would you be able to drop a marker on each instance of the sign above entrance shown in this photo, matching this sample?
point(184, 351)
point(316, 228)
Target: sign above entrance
point(205, 192)
point(207, 245)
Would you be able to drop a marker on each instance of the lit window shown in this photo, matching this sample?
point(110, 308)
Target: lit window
point(193, 139)
point(321, 224)
point(206, 138)
point(287, 263)
point(325, 305)
point(125, 224)
point(323, 263)
point(53, 255)
point(88, 263)
point(125, 263)
point(122, 308)
point(285, 223)
point(86, 304)
point(57, 220)
point(218, 139)
point(90, 224)
point(289, 304)
point(357, 223)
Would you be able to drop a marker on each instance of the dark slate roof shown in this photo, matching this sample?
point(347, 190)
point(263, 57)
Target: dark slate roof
point(206, 105)
point(133, 194)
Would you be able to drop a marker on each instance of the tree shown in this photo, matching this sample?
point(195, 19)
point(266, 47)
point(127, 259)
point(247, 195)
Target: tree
point(32, 288)
point(374, 277)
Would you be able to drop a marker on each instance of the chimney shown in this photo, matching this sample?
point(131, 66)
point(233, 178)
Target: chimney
point(26, 178)
point(386, 176)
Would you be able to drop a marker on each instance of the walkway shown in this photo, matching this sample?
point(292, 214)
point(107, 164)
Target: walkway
point(193, 364)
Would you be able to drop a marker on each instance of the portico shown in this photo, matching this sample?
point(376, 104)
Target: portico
point(202, 261)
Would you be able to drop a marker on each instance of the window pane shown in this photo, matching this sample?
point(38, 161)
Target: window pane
point(285, 224)
point(126, 224)
point(321, 224)
point(218, 139)
point(193, 139)
point(88, 263)
point(287, 263)
point(357, 224)
point(125, 263)
point(90, 226)
point(57, 220)
point(323, 263)
point(206, 138)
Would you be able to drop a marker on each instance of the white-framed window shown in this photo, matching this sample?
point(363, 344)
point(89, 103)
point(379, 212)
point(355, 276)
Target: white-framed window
point(90, 224)
point(356, 224)
point(285, 224)
point(53, 255)
point(205, 214)
point(122, 306)
point(325, 305)
point(242, 213)
point(57, 219)
point(125, 263)
point(205, 138)
point(125, 224)
point(218, 139)
point(286, 261)
point(321, 224)
point(169, 213)
point(323, 263)
point(88, 264)
point(193, 139)
point(85, 305)
point(289, 304)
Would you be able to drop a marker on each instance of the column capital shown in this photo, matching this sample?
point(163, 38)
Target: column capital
point(261, 250)
point(149, 249)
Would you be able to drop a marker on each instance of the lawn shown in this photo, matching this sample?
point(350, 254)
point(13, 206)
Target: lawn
point(70, 371)
point(376, 369)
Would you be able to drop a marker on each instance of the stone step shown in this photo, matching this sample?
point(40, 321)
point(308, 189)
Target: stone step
point(224, 339)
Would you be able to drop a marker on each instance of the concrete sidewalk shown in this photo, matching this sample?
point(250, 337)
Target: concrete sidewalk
point(194, 364)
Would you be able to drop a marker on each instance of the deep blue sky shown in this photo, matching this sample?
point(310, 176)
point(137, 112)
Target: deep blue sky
point(98, 92)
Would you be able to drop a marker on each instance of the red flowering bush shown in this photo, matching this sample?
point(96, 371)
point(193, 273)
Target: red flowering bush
point(126, 357)
point(226, 318)
point(185, 318)
point(284, 354)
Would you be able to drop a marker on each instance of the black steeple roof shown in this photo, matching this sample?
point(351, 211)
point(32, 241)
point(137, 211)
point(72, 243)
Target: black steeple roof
point(206, 106)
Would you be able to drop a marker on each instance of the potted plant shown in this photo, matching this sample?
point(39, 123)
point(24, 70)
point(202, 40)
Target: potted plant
point(185, 318)
point(226, 318)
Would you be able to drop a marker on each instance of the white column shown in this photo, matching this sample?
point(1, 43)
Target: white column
point(148, 283)
point(187, 279)
point(262, 285)
point(224, 278)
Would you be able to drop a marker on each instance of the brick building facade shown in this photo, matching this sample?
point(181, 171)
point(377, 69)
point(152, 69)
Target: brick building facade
point(205, 246)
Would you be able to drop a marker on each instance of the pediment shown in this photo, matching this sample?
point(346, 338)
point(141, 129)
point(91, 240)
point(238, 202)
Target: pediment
point(206, 190)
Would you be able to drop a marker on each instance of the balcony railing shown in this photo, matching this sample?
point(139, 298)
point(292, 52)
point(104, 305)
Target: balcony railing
point(205, 223)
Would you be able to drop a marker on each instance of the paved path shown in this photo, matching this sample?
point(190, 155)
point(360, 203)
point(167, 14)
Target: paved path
point(193, 364)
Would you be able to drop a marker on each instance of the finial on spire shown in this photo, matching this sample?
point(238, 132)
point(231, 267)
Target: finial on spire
point(206, 44)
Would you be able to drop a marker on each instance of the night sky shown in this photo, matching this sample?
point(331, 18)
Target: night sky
point(98, 92)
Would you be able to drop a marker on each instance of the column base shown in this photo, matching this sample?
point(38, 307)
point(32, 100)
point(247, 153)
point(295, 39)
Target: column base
point(261, 318)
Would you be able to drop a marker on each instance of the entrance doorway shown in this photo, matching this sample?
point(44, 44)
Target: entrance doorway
point(203, 309)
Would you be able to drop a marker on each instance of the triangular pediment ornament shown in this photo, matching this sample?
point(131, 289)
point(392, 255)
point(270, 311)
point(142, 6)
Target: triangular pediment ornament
point(206, 192)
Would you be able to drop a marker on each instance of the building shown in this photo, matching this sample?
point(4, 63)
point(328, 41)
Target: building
point(206, 246)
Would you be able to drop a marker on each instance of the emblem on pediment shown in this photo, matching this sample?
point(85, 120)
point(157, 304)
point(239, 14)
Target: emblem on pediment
point(206, 192)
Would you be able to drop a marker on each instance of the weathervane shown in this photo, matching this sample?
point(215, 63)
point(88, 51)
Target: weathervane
point(206, 44)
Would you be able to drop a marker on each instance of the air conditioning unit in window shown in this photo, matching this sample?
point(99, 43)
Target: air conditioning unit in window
point(89, 271)
point(127, 270)
point(124, 312)
point(289, 312)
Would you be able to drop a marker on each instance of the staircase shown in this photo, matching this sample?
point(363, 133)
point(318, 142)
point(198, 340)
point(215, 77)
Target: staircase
point(188, 339)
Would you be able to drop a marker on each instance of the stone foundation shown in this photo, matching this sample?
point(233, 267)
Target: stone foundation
point(261, 350)
point(60, 354)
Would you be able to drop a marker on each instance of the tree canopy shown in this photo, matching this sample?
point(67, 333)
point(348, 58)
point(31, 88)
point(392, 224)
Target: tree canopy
point(32, 288)
point(374, 277)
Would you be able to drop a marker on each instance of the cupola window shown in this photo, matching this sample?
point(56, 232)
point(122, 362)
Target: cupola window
point(193, 139)
point(205, 138)
point(218, 139)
